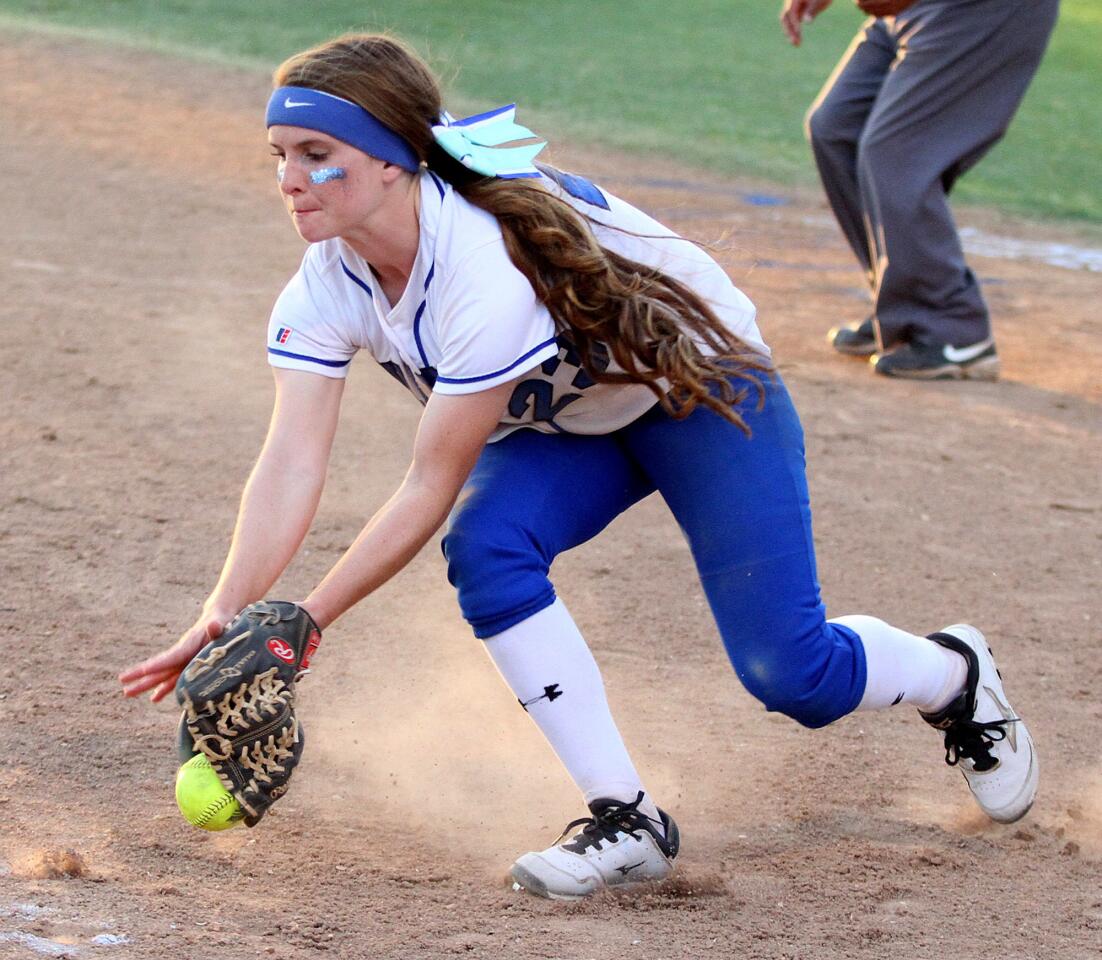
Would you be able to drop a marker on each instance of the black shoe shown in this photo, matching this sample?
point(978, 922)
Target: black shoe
point(918, 361)
point(854, 339)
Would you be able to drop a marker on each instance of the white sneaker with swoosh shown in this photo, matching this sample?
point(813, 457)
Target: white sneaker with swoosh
point(984, 738)
point(617, 846)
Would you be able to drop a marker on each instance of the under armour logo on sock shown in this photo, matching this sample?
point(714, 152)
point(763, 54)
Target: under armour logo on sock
point(549, 693)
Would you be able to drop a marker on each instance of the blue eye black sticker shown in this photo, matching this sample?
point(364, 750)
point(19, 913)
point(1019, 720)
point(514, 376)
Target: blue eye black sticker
point(326, 174)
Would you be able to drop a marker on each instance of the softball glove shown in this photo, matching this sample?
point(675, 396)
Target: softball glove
point(238, 695)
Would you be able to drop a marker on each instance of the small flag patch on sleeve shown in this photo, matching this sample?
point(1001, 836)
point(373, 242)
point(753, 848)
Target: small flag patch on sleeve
point(282, 334)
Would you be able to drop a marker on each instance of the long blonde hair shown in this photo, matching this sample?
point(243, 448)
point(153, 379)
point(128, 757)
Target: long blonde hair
point(648, 323)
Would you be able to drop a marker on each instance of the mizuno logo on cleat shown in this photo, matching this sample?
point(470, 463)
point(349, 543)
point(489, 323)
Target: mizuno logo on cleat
point(624, 870)
point(1008, 716)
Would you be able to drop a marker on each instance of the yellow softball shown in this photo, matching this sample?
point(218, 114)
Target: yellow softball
point(202, 799)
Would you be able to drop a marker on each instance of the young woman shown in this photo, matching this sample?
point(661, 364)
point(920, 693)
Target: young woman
point(573, 356)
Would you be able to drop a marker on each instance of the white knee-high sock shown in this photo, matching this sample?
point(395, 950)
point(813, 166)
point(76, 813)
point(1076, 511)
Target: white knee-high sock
point(904, 668)
point(548, 666)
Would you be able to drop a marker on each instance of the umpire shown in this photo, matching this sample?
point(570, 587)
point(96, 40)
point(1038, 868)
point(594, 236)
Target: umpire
point(926, 88)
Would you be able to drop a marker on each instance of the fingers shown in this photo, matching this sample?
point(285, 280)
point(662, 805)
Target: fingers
point(796, 13)
point(165, 688)
point(792, 16)
point(175, 657)
point(159, 672)
point(139, 684)
point(168, 663)
point(155, 664)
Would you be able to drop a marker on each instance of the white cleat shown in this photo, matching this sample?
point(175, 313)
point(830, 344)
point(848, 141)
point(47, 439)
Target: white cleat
point(617, 846)
point(984, 737)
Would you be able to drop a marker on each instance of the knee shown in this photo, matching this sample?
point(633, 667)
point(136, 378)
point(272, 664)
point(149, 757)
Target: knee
point(880, 158)
point(814, 690)
point(480, 551)
point(780, 693)
point(824, 125)
point(499, 574)
point(872, 153)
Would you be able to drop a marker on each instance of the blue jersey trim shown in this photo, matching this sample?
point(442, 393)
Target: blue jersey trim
point(497, 373)
point(417, 332)
point(302, 356)
point(439, 185)
point(417, 316)
point(351, 276)
point(578, 187)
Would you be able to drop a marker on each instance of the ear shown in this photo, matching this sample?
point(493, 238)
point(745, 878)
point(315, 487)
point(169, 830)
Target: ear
point(391, 172)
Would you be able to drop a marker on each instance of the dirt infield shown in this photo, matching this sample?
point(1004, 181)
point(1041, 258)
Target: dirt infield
point(144, 247)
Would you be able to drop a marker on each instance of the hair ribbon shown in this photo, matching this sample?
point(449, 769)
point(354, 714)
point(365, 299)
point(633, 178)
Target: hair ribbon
point(476, 143)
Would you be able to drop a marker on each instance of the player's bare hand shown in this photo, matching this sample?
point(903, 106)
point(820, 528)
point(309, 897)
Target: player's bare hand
point(795, 13)
point(159, 672)
point(883, 8)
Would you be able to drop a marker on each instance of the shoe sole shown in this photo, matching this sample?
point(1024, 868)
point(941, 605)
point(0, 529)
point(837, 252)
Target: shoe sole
point(1028, 791)
point(855, 351)
point(520, 880)
point(987, 369)
point(1009, 813)
point(850, 350)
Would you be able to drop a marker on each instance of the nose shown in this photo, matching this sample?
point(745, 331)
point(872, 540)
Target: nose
point(291, 179)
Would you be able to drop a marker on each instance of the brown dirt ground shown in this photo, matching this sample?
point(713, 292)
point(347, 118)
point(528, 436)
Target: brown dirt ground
point(143, 250)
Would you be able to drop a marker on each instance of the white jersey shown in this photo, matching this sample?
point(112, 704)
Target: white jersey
point(469, 320)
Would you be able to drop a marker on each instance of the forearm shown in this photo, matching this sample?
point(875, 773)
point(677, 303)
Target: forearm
point(277, 507)
point(391, 539)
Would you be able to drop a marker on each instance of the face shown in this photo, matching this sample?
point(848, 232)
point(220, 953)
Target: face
point(329, 188)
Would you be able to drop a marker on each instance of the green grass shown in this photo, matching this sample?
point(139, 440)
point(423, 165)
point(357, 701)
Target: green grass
point(708, 82)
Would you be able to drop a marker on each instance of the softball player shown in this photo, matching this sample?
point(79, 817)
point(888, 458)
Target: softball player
point(573, 356)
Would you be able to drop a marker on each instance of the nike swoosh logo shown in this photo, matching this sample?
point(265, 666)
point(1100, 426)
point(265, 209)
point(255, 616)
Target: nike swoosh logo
point(1008, 715)
point(288, 103)
point(964, 354)
point(624, 870)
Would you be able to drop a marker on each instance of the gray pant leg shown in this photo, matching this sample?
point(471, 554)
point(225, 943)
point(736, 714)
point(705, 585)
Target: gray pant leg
point(834, 126)
point(960, 71)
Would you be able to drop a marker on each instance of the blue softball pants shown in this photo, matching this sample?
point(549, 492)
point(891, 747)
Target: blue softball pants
point(741, 502)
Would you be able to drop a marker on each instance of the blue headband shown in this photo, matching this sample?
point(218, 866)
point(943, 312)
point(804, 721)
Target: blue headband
point(342, 119)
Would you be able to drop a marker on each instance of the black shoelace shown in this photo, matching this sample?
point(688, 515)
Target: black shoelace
point(605, 826)
point(973, 741)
